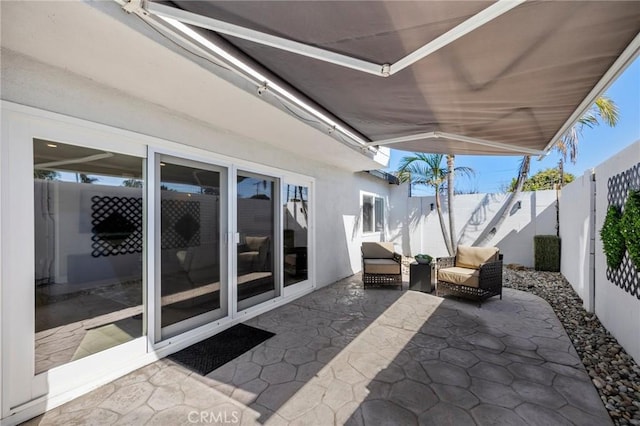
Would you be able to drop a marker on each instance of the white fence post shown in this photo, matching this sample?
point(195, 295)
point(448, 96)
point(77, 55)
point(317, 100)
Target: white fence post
point(590, 303)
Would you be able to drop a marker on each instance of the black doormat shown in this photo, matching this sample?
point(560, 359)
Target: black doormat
point(204, 357)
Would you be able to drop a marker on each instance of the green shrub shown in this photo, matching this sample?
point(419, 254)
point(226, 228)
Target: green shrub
point(547, 253)
point(630, 226)
point(612, 238)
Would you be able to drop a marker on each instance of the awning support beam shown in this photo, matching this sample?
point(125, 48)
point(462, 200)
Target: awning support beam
point(459, 138)
point(263, 38)
point(381, 70)
point(627, 57)
point(217, 54)
point(498, 8)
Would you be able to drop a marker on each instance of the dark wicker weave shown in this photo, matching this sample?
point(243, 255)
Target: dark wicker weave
point(490, 281)
point(383, 279)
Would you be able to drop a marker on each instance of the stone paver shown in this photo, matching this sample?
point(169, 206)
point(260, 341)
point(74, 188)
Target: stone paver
point(342, 355)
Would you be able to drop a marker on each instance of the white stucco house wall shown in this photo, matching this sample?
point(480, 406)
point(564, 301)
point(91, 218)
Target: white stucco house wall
point(87, 75)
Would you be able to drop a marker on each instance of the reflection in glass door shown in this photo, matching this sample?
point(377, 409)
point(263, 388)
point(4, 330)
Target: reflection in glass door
point(88, 251)
point(295, 204)
point(256, 225)
point(193, 259)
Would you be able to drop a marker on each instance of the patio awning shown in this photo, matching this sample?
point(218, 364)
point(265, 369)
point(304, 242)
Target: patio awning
point(463, 77)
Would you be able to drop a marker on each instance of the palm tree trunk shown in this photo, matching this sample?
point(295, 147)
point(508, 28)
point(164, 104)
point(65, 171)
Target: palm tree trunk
point(443, 227)
point(488, 233)
point(450, 188)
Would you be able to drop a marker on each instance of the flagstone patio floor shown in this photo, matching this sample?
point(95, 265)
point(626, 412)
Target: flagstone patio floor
point(343, 355)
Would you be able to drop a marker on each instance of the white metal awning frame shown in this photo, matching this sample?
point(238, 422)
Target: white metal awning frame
point(179, 20)
point(218, 54)
point(459, 138)
point(381, 70)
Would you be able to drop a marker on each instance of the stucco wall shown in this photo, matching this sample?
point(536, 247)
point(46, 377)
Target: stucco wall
point(416, 227)
point(335, 203)
point(337, 196)
point(618, 310)
point(339, 228)
point(576, 231)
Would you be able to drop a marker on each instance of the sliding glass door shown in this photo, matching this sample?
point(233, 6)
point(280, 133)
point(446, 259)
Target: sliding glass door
point(257, 276)
point(192, 203)
point(120, 248)
point(88, 211)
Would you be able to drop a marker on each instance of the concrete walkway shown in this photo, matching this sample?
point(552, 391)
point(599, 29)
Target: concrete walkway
point(342, 355)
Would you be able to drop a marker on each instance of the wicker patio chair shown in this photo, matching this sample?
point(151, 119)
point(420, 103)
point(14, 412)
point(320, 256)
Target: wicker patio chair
point(381, 265)
point(474, 273)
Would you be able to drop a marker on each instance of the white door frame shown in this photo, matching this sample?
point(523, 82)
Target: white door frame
point(154, 288)
point(25, 394)
point(309, 283)
point(20, 384)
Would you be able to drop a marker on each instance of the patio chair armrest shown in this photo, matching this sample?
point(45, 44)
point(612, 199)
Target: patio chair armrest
point(446, 262)
point(491, 274)
point(490, 266)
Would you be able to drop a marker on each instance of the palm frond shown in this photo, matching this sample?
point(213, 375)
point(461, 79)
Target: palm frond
point(607, 110)
point(589, 119)
point(464, 171)
point(603, 109)
point(422, 169)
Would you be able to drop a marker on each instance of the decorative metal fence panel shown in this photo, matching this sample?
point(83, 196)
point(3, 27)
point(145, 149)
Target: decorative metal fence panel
point(627, 276)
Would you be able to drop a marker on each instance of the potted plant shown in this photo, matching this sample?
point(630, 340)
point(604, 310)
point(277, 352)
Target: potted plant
point(423, 258)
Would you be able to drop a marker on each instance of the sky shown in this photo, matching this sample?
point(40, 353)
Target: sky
point(493, 173)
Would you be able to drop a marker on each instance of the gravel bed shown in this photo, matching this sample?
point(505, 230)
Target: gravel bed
point(613, 372)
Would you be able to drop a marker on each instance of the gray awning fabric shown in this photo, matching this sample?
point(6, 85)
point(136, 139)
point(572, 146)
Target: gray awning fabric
point(515, 80)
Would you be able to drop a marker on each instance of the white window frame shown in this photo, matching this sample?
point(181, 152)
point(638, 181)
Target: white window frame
point(374, 197)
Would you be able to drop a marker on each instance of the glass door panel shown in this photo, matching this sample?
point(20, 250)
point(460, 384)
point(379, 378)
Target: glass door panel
point(88, 251)
point(193, 257)
point(256, 224)
point(295, 213)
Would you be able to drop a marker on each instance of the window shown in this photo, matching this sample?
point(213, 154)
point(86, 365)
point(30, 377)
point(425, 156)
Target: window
point(372, 214)
point(378, 214)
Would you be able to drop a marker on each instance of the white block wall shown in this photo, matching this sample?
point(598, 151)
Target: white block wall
point(576, 231)
point(618, 310)
point(416, 229)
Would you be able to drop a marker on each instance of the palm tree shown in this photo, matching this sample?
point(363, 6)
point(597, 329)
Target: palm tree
point(603, 109)
point(451, 172)
point(426, 169)
point(45, 174)
point(84, 178)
